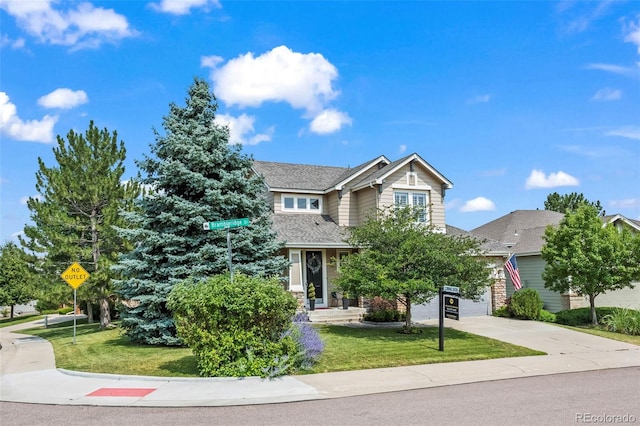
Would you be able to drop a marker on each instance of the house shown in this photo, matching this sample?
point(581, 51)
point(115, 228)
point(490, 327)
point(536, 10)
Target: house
point(522, 233)
point(313, 205)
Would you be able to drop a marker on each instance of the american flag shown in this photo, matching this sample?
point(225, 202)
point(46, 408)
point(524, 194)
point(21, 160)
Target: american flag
point(512, 268)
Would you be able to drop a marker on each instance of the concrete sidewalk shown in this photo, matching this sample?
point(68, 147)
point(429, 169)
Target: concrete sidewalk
point(28, 373)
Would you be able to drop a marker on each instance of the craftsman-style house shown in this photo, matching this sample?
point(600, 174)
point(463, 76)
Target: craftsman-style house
point(312, 206)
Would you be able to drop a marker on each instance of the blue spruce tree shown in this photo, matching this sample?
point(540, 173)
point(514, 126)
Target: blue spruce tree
point(195, 176)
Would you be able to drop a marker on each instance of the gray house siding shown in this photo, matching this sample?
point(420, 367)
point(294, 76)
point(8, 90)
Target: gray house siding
point(531, 268)
point(625, 298)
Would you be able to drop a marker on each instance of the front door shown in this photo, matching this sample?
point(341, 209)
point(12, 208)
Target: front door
point(314, 272)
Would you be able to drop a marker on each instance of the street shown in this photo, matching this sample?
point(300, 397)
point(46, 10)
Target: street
point(603, 396)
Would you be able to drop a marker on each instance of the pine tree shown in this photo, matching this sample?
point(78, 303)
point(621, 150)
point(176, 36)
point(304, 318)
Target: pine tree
point(195, 176)
point(74, 215)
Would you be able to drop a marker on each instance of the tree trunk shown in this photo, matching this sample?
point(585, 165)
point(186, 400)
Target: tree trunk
point(12, 306)
point(407, 323)
point(594, 317)
point(105, 314)
point(89, 312)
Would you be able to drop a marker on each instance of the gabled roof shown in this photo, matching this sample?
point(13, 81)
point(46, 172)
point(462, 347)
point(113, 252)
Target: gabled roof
point(308, 230)
point(520, 231)
point(616, 218)
point(378, 176)
point(491, 247)
point(305, 177)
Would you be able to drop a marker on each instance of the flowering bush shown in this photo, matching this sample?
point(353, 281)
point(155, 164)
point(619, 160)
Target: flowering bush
point(308, 341)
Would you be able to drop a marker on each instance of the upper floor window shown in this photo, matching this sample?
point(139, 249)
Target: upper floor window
point(301, 203)
point(418, 200)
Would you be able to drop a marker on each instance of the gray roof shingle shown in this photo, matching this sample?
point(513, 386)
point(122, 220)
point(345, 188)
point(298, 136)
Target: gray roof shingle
point(304, 177)
point(522, 230)
point(303, 230)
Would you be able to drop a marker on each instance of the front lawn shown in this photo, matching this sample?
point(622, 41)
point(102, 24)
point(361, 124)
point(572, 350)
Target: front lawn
point(346, 348)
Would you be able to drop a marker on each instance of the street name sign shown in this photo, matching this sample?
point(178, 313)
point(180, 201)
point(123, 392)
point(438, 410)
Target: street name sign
point(451, 289)
point(226, 224)
point(75, 275)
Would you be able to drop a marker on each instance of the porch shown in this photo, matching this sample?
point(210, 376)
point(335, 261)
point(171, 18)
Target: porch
point(336, 315)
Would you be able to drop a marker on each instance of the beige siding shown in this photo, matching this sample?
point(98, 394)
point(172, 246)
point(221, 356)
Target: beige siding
point(331, 205)
point(625, 298)
point(277, 202)
point(436, 211)
point(367, 202)
point(269, 196)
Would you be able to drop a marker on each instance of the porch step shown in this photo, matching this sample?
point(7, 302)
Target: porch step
point(336, 315)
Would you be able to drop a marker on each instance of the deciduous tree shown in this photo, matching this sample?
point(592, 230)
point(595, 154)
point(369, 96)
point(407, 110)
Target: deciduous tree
point(584, 255)
point(401, 258)
point(16, 279)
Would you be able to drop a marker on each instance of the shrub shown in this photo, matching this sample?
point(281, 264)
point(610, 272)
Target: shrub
point(64, 311)
point(580, 316)
point(547, 316)
point(526, 304)
point(622, 320)
point(309, 343)
point(236, 328)
point(381, 310)
point(502, 311)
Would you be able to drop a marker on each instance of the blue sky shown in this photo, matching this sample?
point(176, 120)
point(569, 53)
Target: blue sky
point(511, 101)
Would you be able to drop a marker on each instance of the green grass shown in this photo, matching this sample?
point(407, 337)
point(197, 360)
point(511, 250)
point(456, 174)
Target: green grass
point(346, 348)
point(6, 322)
point(600, 331)
point(357, 348)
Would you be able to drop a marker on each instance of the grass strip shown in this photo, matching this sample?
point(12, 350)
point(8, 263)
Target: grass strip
point(346, 348)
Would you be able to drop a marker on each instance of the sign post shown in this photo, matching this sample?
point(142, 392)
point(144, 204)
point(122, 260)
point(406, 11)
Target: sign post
point(227, 224)
point(452, 294)
point(75, 275)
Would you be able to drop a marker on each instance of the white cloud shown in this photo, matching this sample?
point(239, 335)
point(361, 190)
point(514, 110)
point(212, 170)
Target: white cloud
point(480, 99)
point(494, 172)
point(303, 80)
point(537, 179)
point(241, 129)
point(183, 7)
point(63, 98)
point(629, 203)
point(402, 149)
point(631, 132)
point(633, 35)
point(86, 26)
point(329, 121)
point(14, 44)
point(280, 75)
point(607, 94)
point(616, 69)
point(478, 204)
point(14, 127)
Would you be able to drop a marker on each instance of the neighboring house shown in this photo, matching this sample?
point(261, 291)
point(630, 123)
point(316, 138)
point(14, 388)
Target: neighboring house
point(522, 233)
point(313, 205)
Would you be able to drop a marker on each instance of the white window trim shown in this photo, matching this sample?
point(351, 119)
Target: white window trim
point(295, 208)
point(414, 188)
point(410, 194)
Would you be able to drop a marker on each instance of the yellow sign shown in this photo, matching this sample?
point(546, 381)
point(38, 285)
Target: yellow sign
point(75, 275)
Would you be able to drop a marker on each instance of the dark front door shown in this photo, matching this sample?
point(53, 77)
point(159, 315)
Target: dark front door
point(314, 272)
